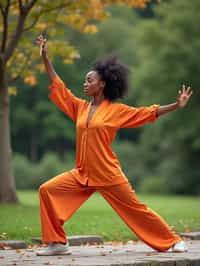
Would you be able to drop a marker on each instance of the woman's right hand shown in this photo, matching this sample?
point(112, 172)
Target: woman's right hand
point(41, 40)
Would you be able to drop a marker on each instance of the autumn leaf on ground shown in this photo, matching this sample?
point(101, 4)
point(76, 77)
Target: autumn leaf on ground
point(4, 247)
point(149, 254)
point(131, 242)
point(117, 243)
point(108, 243)
point(187, 229)
point(18, 251)
point(103, 253)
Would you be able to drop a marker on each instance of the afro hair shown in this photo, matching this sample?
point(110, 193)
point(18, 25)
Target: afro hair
point(115, 76)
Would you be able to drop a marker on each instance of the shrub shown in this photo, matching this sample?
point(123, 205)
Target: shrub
point(154, 185)
point(29, 175)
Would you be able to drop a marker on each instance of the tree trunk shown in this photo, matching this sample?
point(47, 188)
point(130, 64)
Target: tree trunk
point(7, 181)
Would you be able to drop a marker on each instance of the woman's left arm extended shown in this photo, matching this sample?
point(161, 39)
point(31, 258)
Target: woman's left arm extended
point(183, 97)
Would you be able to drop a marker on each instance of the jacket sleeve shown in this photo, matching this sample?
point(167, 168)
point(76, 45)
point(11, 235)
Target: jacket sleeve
point(129, 117)
point(64, 99)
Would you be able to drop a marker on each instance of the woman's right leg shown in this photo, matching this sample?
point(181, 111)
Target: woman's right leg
point(60, 197)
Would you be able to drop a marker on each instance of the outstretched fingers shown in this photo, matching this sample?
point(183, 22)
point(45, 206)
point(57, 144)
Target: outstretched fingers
point(185, 90)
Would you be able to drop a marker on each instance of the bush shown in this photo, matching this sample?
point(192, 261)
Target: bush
point(24, 171)
point(131, 158)
point(29, 175)
point(154, 185)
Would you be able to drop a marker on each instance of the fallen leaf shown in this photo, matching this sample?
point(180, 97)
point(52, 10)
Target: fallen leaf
point(130, 242)
point(108, 243)
point(18, 251)
point(102, 253)
point(187, 230)
point(149, 254)
point(117, 243)
point(5, 247)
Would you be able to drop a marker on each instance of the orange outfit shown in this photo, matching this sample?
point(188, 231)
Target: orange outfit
point(98, 169)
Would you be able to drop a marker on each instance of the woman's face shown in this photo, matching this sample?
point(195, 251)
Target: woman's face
point(93, 84)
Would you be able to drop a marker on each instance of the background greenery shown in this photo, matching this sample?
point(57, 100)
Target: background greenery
point(97, 217)
point(161, 47)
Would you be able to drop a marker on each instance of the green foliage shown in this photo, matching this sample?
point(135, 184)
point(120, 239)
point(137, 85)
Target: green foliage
point(162, 51)
point(24, 171)
point(154, 185)
point(30, 175)
point(166, 57)
point(130, 158)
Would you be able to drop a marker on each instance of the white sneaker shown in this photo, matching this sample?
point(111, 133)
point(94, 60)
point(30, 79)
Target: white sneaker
point(179, 247)
point(54, 249)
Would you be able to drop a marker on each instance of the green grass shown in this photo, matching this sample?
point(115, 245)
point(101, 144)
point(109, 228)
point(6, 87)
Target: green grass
point(96, 217)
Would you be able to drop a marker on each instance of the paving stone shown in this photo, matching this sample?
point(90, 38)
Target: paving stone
point(16, 244)
point(192, 235)
point(135, 254)
point(85, 239)
point(78, 240)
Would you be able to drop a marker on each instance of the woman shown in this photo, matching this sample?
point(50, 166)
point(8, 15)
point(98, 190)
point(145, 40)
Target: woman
point(97, 167)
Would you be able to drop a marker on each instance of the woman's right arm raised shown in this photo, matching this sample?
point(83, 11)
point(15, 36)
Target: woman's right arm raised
point(41, 40)
point(60, 95)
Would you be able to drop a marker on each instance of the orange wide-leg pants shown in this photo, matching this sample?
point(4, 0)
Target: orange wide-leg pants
point(61, 196)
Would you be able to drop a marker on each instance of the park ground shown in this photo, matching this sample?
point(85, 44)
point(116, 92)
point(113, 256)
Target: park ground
point(96, 217)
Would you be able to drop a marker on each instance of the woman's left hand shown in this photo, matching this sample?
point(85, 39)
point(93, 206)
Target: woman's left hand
point(183, 96)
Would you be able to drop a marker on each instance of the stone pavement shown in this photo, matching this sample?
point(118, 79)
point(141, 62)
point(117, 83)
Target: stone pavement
point(133, 253)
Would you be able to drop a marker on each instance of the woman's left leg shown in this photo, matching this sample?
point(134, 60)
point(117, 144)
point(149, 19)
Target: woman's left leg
point(146, 224)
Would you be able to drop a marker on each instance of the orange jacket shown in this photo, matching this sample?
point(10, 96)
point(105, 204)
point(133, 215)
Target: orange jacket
point(96, 163)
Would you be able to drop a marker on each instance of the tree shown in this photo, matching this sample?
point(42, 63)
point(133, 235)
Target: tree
point(20, 20)
point(167, 58)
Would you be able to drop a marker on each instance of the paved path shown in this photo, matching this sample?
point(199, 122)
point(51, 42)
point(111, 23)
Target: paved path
point(137, 254)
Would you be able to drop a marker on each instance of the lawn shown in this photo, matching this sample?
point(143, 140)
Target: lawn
point(96, 217)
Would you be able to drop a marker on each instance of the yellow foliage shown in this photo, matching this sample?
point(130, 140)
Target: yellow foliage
point(90, 28)
point(41, 26)
point(14, 10)
point(40, 67)
point(30, 80)
point(74, 54)
point(138, 3)
point(76, 20)
point(12, 91)
point(68, 61)
point(82, 15)
point(95, 9)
